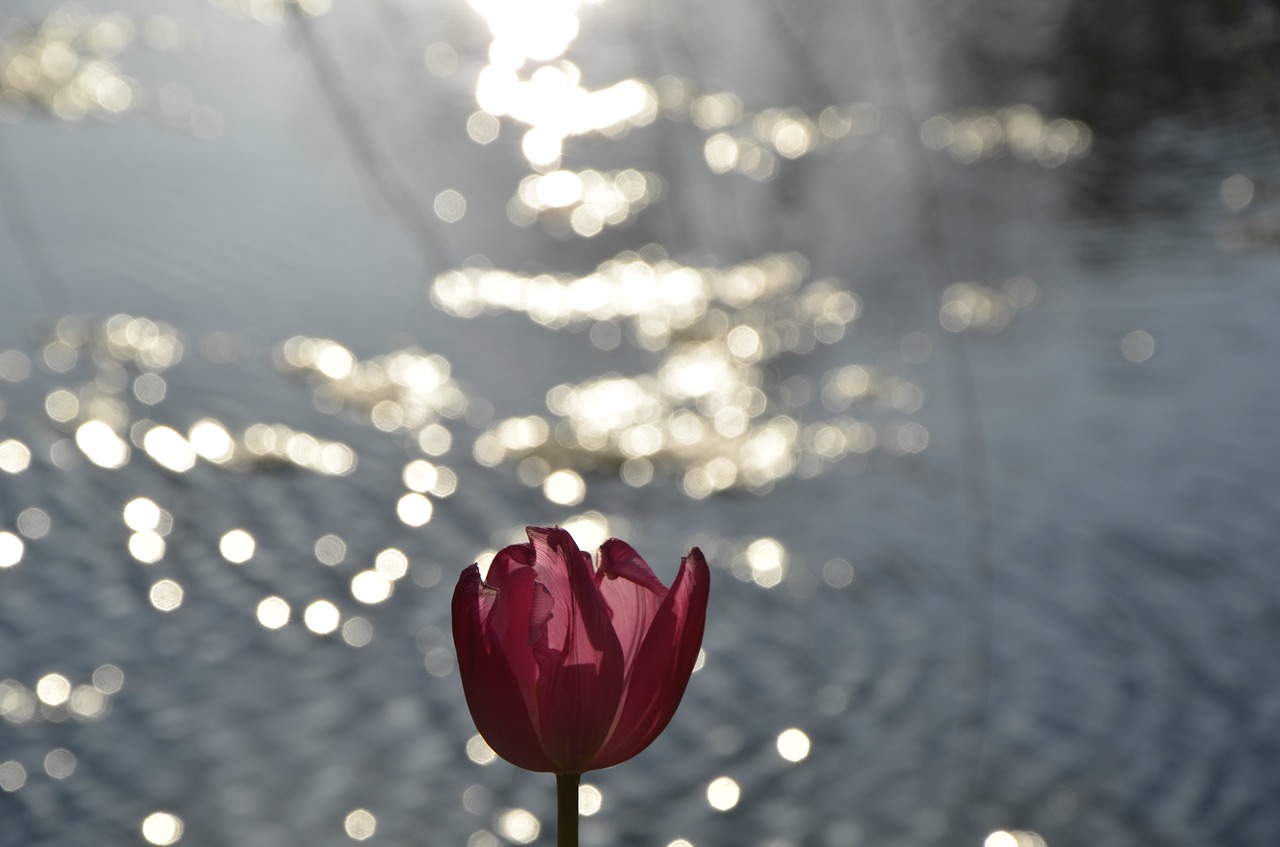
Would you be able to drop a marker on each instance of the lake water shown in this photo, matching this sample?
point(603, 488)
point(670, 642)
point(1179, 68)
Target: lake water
point(946, 331)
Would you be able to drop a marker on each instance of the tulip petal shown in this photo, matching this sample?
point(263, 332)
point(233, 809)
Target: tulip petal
point(579, 658)
point(632, 593)
point(541, 611)
point(520, 609)
point(662, 665)
point(507, 560)
point(493, 693)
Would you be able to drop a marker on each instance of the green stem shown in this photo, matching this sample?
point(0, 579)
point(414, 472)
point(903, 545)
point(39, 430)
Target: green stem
point(567, 809)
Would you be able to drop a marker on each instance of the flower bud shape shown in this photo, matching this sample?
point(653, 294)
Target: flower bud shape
point(568, 668)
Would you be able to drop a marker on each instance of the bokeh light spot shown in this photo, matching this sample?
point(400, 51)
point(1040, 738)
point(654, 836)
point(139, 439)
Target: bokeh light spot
point(147, 546)
point(1138, 346)
point(60, 763)
point(723, 793)
point(450, 206)
point(434, 440)
point(414, 509)
point(519, 825)
point(12, 776)
point(15, 456)
point(439, 662)
point(420, 475)
point(108, 679)
point(273, 612)
point(88, 703)
point(768, 560)
point(99, 442)
point(321, 617)
point(391, 563)
point(479, 751)
point(33, 523)
point(483, 127)
point(441, 59)
point(237, 546)
point(11, 549)
point(166, 595)
point(141, 514)
point(370, 587)
point(360, 825)
point(793, 745)
point(590, 799)
point(162, 828)
point(357, 632)
point(1237, 192)
point(564, 487)
point(838, 573)
point(149, 388)
point(210, 440)
point(330, 549)
point(53, 689)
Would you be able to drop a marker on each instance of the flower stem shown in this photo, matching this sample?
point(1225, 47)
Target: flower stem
point(567, 809)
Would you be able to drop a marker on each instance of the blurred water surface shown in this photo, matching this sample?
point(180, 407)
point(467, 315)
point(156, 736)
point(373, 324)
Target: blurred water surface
point(946, 330)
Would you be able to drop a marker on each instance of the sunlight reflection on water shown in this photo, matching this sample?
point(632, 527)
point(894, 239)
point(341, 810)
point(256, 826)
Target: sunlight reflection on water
point(257, 549)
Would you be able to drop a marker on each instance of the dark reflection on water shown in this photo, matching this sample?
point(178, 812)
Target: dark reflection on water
point(945, 331)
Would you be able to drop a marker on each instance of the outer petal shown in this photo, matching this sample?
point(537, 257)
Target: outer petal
point(663, 664)
point(632, 593)
point(507, 560)
point(494, 694)
point(513, 615)
point(579, 658)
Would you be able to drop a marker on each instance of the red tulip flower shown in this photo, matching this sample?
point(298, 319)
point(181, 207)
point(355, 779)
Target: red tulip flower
point(569, 668)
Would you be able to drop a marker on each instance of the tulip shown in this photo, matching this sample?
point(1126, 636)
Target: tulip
point(568, 668)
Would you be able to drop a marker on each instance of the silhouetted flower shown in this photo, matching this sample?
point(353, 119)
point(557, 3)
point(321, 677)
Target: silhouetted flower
point(567, 668)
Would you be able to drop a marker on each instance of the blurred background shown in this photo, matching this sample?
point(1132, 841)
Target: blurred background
point(946, 329)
